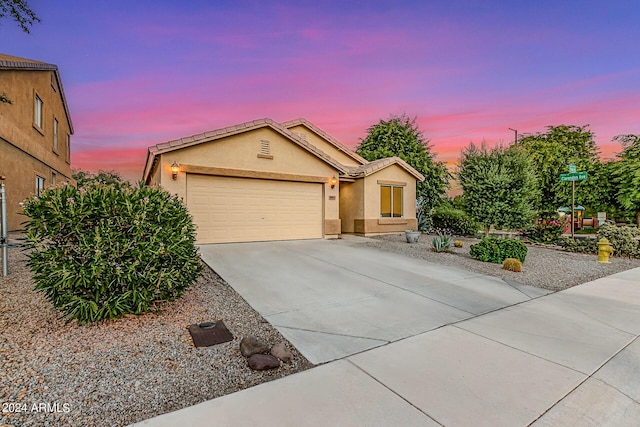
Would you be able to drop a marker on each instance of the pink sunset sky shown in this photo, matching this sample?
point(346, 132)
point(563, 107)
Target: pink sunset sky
point(140, 73)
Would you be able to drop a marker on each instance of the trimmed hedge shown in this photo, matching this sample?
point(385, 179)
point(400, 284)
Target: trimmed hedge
point(454, 221)
point(491, 249)
point(104, 251)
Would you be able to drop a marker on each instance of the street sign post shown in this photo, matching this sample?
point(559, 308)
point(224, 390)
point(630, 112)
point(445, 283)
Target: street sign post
point(573, 176)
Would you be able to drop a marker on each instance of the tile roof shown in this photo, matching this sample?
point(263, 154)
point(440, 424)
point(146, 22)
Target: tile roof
point(326, 136)
point(376, 165)
point(213, 135)
point(349, 171)
point(8, 62)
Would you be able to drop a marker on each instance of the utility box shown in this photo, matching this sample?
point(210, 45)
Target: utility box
point(602, 217)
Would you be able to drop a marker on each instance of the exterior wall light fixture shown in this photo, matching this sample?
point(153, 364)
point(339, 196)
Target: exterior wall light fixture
point(334, 180)
point(175, 168)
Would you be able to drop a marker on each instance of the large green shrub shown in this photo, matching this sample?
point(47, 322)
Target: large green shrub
point(104, 251)
point(623, 239)
point(454, 221)
point(491, 249)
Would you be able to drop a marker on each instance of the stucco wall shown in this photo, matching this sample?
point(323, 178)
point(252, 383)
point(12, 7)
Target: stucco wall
point(240, 153)
point(311, 137)
point(372, 222)
point(24, 149)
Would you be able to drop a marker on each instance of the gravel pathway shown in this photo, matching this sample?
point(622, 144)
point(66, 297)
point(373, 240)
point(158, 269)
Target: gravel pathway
point(545, 267)
point(124, 371)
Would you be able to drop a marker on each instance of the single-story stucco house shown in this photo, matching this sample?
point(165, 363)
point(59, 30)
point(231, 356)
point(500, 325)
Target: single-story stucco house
point(263, 180)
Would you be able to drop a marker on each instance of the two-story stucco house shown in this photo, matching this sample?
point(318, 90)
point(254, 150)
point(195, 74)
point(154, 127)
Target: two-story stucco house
point(35, 131)
point(263, 180)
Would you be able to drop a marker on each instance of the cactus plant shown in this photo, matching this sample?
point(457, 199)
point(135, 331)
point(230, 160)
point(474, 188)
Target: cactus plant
point(512, 264)
point(458, 244)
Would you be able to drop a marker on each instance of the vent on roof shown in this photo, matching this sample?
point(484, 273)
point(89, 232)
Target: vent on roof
point(265, 150)
point(301, 135)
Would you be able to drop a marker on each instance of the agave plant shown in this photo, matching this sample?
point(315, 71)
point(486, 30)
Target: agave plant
point(441, 242)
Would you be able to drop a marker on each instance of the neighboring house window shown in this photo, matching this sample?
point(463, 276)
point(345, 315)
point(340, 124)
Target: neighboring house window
point(55, 135)
point(39, 185)
point(68, 148)
point(54, 178)
point(38, 112)
point(390, 201)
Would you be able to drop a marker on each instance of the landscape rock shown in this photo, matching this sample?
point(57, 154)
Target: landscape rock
point(281, 351)
point(251, 345)
point(261, 362)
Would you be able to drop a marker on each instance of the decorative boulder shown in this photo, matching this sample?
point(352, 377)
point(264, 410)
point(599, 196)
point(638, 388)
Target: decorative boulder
point(251, 345)
point(261, 362)
point(282, 352)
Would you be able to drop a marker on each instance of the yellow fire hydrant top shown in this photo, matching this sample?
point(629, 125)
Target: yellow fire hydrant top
point(605, 250)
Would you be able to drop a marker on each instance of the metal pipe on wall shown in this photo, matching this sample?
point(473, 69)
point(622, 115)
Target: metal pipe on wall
point(3, 235)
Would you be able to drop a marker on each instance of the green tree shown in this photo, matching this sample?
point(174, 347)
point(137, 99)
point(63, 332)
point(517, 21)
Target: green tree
point(551, 153)
point(498, 186)
point(626, 173)
point(85, 179)
point(401, 137)
point(20, 12)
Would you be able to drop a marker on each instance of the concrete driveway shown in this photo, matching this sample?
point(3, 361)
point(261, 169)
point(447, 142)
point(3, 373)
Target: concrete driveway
point(333, 299)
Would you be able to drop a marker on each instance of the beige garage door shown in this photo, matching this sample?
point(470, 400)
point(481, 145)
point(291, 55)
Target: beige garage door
point(248, 210)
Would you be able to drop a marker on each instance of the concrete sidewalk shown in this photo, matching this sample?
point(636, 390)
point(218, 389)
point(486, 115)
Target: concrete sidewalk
point(565, 359)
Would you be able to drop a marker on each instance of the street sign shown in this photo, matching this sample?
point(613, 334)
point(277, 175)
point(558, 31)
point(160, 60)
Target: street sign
point(575, 176)
point(572, 169)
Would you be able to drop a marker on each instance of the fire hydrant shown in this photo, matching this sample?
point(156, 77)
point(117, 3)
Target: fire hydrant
point(605, 250)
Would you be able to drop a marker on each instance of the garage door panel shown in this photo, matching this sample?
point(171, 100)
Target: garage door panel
point(242, 210)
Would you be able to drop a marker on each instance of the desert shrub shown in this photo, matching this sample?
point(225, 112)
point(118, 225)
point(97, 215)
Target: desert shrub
point(623, 239)
point(454, 221)
point(441, 242)
point(513, 248)
point(512, 264)
point(547, 233)
point(491, 249)
point(107, 250)
point(458, 244)
point(588, 245)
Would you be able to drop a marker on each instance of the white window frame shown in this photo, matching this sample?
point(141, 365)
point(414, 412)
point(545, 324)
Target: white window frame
point(68, 148)
point(39, 185)
point(38, 109)
point(55, 135)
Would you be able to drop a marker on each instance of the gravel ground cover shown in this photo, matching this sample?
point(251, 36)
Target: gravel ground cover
point(124, 371)
point(547, 267)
